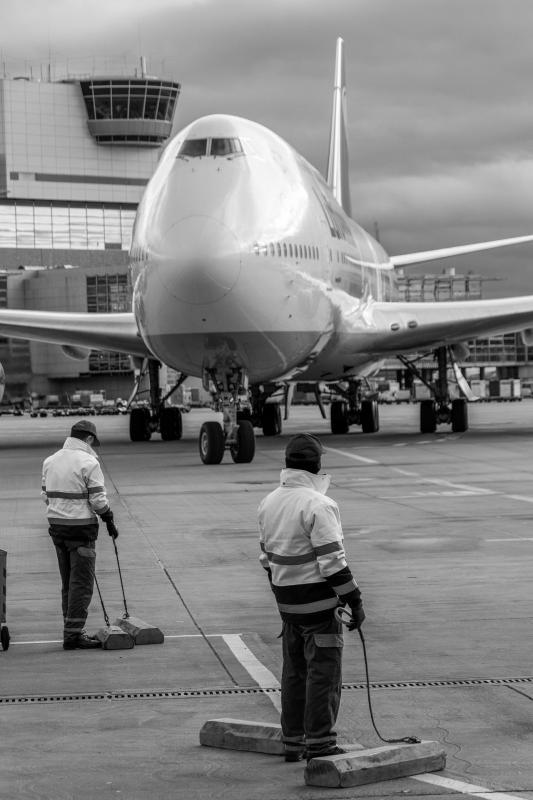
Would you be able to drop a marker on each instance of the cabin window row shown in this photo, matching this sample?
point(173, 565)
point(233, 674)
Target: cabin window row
point(290, 250)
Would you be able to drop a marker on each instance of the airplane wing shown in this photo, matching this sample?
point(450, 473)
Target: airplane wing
point(114, 331)
point(407, 327)
point(410, 259)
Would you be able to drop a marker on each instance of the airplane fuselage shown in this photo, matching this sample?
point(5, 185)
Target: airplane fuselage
point(242, 257)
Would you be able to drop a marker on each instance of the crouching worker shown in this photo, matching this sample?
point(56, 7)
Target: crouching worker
point(302, 551)
point(74, 492)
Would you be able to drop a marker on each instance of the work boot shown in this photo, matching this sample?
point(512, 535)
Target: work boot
point(332, 751)
point(292, 756)
point(81, 642)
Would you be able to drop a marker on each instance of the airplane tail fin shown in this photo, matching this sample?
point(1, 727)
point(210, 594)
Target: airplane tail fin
point(338, 174)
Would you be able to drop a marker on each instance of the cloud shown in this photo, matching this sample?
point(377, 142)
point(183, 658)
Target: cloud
point(439, 113)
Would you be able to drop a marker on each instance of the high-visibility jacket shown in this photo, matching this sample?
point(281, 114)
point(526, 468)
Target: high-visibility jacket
point(73, 485)
point(302, 548)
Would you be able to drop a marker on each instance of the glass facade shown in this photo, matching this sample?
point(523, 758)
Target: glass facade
point(66, 227)
point(107, 293)
point(507, 349)
point(130, 110)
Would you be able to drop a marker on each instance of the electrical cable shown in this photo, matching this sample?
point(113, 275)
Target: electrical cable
point(346, 618)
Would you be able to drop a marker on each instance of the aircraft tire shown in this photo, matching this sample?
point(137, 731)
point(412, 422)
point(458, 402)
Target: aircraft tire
point(428, 416)
point(459, 415)
point(271, 420)
point(369, 416)
point(170, 423)
point(5, 638)
point(339, 417)
point(211, 443)
point(244, 450)
point(140, 425)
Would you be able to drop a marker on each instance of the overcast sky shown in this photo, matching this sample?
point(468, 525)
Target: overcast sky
point(439, 93)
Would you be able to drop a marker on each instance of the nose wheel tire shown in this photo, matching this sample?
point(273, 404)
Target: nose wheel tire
point(243, 451)
point(211, 442)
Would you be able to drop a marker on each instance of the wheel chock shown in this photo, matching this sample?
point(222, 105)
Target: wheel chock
point(375, 764)
point(141, 632)
point(114, 638)
point(239, 734)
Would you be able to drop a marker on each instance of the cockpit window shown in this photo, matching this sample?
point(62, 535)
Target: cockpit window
point(225, 147)
point(193, 147)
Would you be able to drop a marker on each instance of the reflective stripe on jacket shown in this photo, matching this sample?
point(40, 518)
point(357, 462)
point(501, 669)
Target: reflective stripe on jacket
point(73, 485)
point(302, 546)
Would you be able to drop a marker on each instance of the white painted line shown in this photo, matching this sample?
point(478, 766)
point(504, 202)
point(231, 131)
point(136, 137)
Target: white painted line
point(519, 497)
point(518, 539)
point(405, 472)
point(463, 486)
point(351, 455)
point(464, 788)
point(169, 636)
point(260, 674)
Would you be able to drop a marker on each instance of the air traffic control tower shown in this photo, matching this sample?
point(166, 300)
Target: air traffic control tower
point(75, 156)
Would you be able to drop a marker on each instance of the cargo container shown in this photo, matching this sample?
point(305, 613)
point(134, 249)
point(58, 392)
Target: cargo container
point(421, 391)
point(479, 388)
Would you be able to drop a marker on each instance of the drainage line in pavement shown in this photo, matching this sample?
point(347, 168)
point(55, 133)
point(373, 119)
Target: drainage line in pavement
point(155, 694)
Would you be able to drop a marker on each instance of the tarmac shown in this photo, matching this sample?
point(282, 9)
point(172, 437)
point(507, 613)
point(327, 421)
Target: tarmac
point(438, 533)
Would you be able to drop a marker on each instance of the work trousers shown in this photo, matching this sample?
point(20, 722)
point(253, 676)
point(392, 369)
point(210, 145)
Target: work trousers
point(76, 556)
point(311, 685)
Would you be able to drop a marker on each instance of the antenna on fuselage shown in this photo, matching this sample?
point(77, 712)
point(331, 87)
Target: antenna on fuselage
point(338, 174)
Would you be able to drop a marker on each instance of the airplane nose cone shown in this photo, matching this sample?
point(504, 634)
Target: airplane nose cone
point(201, 260)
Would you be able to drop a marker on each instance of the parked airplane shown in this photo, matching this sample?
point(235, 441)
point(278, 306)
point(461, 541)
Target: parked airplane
point(248, 271)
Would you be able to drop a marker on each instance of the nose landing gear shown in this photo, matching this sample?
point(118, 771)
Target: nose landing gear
point(236, 433)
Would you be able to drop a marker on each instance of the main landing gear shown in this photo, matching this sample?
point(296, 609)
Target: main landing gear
point(158, 417)
point(353, 409)
point(236, 433)
point(440, 408)
point(267, 415)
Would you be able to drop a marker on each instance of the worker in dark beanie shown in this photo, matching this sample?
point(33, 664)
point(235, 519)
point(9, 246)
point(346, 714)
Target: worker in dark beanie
point(302, 551)
point(74, 492)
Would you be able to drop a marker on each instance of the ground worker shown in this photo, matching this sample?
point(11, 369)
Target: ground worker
point(74, 492)
point(302, 551)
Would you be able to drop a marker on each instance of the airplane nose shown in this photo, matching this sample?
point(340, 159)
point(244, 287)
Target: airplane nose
point(200, 262)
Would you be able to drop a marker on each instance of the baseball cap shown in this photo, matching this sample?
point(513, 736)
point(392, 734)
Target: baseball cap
point(304, 447)
point(85, 426)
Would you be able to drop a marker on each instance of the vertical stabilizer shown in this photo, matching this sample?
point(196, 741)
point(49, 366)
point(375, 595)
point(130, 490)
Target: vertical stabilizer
point(338, 170)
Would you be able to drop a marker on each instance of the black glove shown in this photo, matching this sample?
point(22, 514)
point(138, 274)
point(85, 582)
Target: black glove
point(111, 529)
point(107, 516)
point(358, 615)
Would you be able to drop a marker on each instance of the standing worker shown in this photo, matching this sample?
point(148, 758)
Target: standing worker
point(74, 492)
point(302, 551)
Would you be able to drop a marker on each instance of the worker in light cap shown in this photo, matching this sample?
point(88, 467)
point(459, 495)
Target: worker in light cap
point(75, 496)
point(302, 551)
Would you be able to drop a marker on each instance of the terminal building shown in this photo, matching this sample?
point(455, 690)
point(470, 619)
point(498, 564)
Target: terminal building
point(75, 156)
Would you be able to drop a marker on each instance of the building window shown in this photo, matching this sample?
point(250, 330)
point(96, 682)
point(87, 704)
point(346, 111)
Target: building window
point(68, 227)
point(105, 294)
